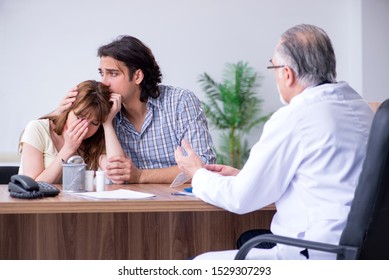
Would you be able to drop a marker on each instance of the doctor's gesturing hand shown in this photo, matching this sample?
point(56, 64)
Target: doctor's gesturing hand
point(190, 163)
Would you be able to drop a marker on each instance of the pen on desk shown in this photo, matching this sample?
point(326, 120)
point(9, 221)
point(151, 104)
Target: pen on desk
point(182, 193)
point(178, 193)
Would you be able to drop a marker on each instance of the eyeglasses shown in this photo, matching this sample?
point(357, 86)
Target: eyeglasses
point(274, 66)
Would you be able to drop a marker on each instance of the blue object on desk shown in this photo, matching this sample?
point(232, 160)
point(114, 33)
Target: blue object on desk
point(183, 193)
point(188, 189)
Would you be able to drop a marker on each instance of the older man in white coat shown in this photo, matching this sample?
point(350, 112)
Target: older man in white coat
point(309, 156)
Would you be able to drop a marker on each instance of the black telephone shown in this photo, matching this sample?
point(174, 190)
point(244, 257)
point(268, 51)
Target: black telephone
point(22, 186)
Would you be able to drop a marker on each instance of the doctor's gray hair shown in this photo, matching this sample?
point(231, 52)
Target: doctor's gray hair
point(308, 50)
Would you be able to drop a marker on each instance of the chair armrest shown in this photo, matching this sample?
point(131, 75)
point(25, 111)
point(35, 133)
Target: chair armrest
point(345, 252)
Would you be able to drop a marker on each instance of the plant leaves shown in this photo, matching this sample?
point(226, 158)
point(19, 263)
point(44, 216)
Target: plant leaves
point(233, 106)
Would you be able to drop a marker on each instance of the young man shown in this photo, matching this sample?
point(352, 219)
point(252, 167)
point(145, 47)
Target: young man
point(154, 117)
point(309, 156)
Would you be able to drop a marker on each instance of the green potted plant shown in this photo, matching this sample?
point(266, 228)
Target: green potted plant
point(233, 107)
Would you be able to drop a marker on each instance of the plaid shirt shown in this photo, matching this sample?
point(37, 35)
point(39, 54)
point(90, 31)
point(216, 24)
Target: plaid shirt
point(175, 115)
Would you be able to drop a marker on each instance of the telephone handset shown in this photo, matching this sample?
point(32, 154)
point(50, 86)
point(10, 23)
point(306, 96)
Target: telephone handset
point(22, 186)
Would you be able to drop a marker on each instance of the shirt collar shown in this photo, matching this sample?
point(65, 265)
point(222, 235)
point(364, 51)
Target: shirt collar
point(324, 88)
point(151, 102)
point(155, 102)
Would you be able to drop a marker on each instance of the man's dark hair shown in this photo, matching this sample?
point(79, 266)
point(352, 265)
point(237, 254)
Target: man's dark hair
point(135, 55)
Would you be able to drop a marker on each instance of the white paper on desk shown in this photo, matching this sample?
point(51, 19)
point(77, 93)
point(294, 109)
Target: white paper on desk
point(117, 194)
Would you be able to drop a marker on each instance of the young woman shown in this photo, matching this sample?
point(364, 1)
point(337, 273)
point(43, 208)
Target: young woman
point(84, 129)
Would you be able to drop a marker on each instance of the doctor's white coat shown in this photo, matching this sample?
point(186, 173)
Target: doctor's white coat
point(307, 162)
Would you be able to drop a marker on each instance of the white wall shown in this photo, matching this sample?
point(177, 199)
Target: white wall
point(48, 46)
point(375, 45)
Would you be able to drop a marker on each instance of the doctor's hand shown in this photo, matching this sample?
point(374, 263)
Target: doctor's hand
point(224, 170)
point(190, 163)
point(121, 170)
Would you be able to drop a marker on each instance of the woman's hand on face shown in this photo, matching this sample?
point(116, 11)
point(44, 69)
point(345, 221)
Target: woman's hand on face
point(74, 134)
point(116, 100)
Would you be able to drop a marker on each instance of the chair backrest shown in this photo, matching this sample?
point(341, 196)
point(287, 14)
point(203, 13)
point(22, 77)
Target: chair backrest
point(367, 225)
point(6, 172)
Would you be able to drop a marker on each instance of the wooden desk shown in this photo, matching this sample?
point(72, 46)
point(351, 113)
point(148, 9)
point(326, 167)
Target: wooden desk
point(163, 227)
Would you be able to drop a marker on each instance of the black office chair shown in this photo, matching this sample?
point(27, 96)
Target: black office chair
point(366, 235)
point(6, 172)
